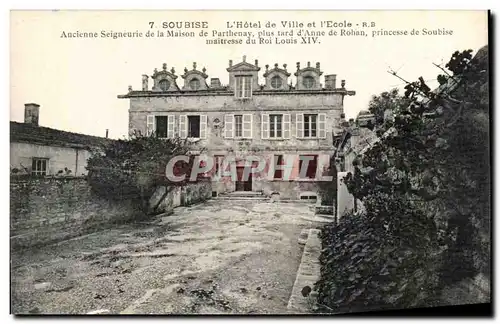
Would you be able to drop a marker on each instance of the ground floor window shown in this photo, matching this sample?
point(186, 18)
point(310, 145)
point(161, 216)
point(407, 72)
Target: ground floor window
point(39, 166)
point(194, 126)
point(278, 161)
point(312, 164)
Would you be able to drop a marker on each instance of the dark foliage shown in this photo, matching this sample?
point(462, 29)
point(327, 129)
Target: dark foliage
point(425, 189)
point(132, 169)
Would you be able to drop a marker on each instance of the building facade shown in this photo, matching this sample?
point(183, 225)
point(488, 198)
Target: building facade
point(43, 151)
point(275, 120)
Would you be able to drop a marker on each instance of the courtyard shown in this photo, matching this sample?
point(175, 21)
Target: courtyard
point(219, 257)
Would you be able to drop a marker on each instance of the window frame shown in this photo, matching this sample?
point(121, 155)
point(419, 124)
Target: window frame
point(240, 86)
point(273, 126)
point(39, 172)
point(276, 77)
point(156, 125)
point(188, 126)
point(309, 124)
point(164, 81)
point(308, 77)
point(236, 117)
point(191, 84)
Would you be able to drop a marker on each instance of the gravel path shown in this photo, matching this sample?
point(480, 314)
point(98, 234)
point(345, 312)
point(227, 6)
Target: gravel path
point(217, 257)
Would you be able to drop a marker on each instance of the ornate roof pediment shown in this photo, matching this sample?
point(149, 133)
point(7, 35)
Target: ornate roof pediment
point(158, 74)
point(195, 71)
point(242, 66)
point(276, 69)
point(308, 68)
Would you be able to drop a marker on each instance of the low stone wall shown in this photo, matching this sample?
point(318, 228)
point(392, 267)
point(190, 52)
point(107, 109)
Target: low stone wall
point(303, 298)
point(45, 210)
point(165, 200)
point(288, 190)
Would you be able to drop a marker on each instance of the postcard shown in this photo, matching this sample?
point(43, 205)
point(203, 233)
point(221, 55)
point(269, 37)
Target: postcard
point(249, 162)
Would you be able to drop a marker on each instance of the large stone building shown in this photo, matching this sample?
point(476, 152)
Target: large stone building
point(281, 122)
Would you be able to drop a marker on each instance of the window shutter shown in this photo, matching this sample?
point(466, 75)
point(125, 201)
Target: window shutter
point(183, 126)
point(247, 125)
point(203, 126)
point(322, 125)
point(229, 126)
point(238, 87)
point(248, 87)
point(300, 126)
point(286, 125)
point(171, 126)
point(150, 125)
point(265, 126)
point(270, 169)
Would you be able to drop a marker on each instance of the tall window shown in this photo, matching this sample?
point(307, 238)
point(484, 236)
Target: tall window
point(278, 173)
point(194, 126)
point(218, 164)
point(161, 126)
point(238, 125)
point(275, 126)
point(310, 122)
point(39, 166)
point(312, 165)
point(243, 86)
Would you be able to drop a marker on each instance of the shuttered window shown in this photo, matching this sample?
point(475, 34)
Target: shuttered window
point(310, 125)
point(238, 125)
point(243, 88)
point(276, 126)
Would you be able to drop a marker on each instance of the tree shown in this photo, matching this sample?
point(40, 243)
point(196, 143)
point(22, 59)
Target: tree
point(386, 101)
point(132, 169)
point(425, 187)
point(328, 189)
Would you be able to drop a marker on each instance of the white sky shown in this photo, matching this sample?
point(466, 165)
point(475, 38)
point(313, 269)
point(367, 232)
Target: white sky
point(76, 81)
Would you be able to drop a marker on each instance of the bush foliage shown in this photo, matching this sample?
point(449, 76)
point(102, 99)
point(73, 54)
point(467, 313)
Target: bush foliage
point(425, 186)
point(132, 169)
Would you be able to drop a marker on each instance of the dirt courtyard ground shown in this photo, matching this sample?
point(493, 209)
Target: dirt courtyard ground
point(223, 256)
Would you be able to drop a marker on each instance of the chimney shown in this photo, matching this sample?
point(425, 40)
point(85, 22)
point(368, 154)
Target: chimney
point(330, 81)
point(31, 113)
point(215, 83)
point(256, 62)
point(144, 82)
point(230, 63)
point(107, 132)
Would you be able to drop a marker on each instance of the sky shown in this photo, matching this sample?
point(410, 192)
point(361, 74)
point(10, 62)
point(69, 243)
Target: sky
point(76, 81)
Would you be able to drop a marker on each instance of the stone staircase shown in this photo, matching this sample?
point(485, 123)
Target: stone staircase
point(243, 195)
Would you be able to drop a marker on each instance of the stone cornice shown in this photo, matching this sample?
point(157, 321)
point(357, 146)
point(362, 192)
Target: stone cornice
point(215, 92)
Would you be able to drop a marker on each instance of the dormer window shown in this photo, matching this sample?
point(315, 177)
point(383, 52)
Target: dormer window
point(243, 86)
point(194, 84)
point(164, 85)
point(308, 82)
point(276, 82)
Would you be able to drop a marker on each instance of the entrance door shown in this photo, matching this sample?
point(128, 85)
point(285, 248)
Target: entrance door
point(242, 185)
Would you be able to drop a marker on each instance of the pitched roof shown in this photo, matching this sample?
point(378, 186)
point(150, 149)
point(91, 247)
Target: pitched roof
point(28, 133)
